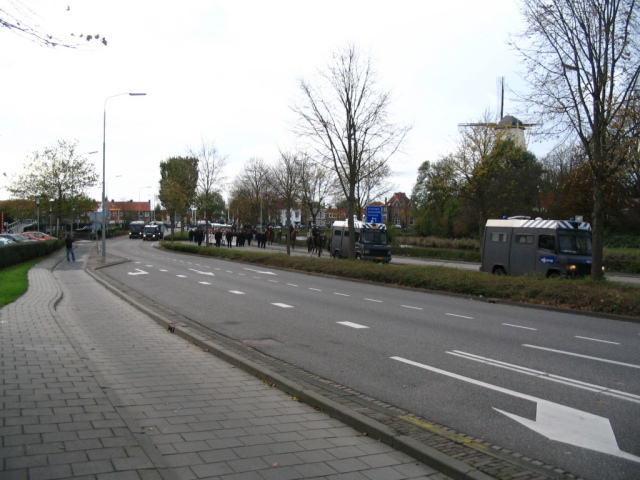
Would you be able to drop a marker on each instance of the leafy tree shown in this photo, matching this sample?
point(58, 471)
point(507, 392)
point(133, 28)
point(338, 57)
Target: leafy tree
point(178, 183)
point(60, 177)
point(583, 65)
point(496, 177)
point(18, 18)
point(435, 197)
point(346, 119)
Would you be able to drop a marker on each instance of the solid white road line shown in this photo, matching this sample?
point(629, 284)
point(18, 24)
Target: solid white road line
point(596, 340)
point(614, 362)
point(548, 376)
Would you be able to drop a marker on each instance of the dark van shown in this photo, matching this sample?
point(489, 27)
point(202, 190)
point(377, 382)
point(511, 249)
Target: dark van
point(152, 232)
point(550, 248)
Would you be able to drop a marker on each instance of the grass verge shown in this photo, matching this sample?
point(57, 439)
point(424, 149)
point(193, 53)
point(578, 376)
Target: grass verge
point(583, 294)
point(14, 281)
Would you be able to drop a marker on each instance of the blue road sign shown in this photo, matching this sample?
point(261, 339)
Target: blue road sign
point(374, 214)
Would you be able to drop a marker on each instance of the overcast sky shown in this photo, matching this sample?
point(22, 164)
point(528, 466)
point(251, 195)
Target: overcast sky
point(228, 72)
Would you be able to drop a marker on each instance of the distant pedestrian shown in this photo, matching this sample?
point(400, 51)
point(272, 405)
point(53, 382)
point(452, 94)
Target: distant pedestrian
point(69, 244)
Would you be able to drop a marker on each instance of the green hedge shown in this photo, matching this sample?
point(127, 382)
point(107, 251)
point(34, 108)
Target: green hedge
point(16, 253)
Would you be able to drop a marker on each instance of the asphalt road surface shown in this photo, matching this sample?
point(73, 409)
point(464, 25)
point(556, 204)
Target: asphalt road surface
point(555, 386)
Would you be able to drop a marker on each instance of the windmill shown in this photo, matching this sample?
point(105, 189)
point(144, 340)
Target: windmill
point(514, 127)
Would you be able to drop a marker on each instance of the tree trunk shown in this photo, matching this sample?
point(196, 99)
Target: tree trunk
point(597, 224)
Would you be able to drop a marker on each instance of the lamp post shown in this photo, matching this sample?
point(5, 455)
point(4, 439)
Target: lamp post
point(104, 164)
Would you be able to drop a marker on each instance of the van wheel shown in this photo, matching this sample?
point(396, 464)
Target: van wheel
point(335, 254)
point(553, 274)
point(358, 256)
point(499, 271)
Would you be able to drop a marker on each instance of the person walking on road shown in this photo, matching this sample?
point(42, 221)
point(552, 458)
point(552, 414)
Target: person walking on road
point(69, 244)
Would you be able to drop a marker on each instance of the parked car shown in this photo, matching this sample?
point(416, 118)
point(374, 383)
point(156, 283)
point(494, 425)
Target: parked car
point(37, 236)
point(5, 241)
point(15, 238)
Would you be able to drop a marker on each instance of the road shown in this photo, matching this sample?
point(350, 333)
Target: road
point(558, 387)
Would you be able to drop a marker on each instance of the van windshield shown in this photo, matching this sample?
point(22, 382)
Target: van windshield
point(375, 237)
point(574, 242)
point(150, 229)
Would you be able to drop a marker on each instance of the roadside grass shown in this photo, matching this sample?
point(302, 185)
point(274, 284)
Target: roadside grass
point(579, 294)
point(14, 281)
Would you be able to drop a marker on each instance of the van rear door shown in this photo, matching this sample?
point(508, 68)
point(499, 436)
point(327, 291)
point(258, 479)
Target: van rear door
point(523, 253)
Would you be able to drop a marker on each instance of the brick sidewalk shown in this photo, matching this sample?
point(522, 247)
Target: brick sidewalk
point(94, 389)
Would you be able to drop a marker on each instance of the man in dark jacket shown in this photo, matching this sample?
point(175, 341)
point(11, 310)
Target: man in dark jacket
point(69, 244)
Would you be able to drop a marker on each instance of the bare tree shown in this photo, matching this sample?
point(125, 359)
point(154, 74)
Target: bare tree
point(17, 17)
point(583, 64)
point(346, 119)
point(210, 179)
point(285, 180)
point(374, 184)
point(250, 190)
point(317, 185)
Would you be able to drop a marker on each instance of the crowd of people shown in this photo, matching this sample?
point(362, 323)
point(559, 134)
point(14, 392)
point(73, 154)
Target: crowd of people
point(241, 237)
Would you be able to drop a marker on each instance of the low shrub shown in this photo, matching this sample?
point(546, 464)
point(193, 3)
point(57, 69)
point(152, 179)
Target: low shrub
point(16, 253)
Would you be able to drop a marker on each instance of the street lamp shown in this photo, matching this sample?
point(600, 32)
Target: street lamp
point(104, 165)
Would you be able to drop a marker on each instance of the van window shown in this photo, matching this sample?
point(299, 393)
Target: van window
point(346, 233)
point(524, 239)
point(547, 242)
point(498, 237)
point(336, 233)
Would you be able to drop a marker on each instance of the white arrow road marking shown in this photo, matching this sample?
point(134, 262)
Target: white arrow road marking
point(138, 272)
point(282, 305)
point(236, 292)
point(352, 325)
point(202, 273)
point(205, 283)
point(554, 421)
point(260, 271)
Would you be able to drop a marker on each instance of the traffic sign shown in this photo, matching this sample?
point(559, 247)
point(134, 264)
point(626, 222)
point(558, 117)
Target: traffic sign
point(374, 214)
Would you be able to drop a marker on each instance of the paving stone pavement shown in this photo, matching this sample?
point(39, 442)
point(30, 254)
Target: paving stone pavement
point(94, 389)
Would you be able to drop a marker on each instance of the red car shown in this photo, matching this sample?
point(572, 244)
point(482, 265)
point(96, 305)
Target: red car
point(37, 236)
